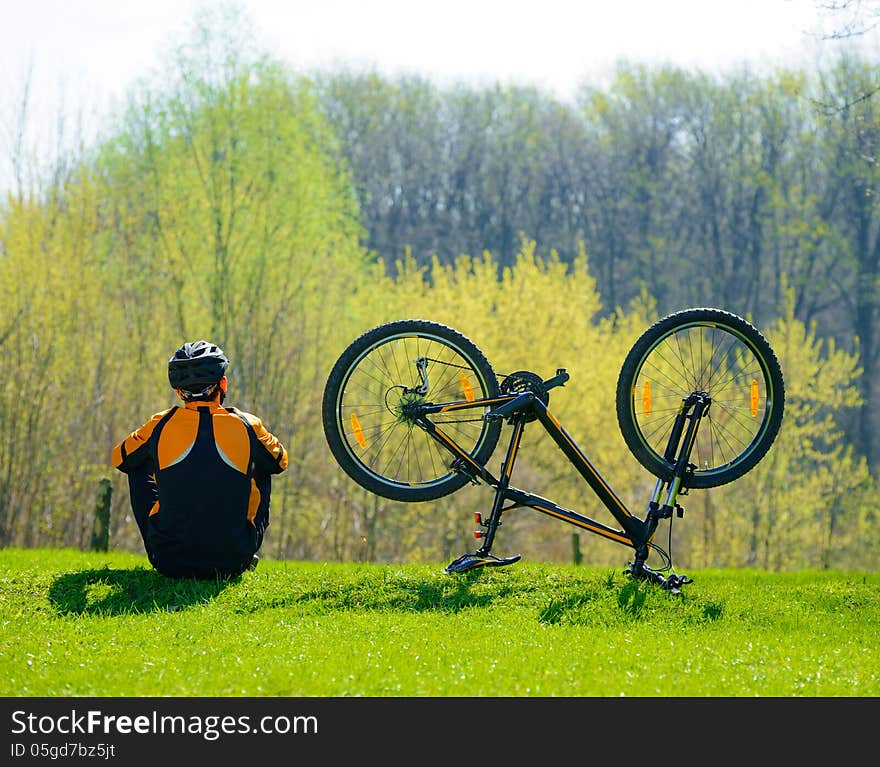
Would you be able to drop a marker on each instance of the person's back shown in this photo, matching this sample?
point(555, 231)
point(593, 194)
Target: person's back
point(200, 475)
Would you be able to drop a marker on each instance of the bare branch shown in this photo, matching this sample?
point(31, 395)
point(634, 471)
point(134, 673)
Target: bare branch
point(827, 109)
point(858, 17)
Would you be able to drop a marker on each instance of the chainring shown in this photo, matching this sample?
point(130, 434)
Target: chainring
point(523, 381)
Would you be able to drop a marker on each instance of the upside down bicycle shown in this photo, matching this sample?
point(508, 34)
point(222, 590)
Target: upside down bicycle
point(412, 411)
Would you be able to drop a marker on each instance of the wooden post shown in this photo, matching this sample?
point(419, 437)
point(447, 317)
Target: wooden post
point(101, 525)
point(576, 548)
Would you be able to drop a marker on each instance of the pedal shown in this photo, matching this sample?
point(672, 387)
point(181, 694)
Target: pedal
point(671, 583)
point(470, 561)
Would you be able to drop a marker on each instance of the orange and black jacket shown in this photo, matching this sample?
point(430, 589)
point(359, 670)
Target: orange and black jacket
point(200, 478)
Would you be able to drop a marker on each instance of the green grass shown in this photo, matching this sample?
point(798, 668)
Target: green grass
point(89, 624)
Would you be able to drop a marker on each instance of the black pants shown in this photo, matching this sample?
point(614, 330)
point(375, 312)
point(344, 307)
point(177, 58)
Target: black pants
point(143, 494)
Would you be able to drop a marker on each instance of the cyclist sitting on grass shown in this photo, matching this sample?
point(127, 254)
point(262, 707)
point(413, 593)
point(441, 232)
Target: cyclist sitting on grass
point(199, 476)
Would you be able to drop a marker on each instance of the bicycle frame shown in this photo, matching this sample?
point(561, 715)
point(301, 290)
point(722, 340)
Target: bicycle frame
point(521, 408)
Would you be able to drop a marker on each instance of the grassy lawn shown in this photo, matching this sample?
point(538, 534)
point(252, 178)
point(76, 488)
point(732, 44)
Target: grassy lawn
point(89, 624)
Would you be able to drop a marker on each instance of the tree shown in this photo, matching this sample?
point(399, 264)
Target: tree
point(218, 208)
point(849, 19)
point(852, 138)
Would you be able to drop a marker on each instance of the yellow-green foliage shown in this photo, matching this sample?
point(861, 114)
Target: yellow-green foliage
point(809, 502)
point(89, 323)
point(538, 315)
point(56, 323)
point(242, 224)
point(220, 209)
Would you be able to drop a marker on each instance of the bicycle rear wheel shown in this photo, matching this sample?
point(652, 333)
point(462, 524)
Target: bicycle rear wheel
point(702, 350)
point(363, 409)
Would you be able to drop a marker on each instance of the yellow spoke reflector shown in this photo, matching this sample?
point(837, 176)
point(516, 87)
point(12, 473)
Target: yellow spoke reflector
point(753, 398)
point(646, 397)
point(467, 388)
point(358, 431)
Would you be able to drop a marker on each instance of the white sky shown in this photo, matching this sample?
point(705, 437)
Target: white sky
point(103, 45)
point(83, 55)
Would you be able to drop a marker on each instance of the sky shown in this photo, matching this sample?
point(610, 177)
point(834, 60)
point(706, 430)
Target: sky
point(104, 45)
point(86, 54)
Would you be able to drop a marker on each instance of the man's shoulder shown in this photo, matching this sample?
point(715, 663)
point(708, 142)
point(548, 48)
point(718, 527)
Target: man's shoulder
point(252, 419)
point(156, 417)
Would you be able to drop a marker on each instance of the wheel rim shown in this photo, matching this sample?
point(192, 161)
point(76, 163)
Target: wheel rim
point(722, 363)
point(372, 416)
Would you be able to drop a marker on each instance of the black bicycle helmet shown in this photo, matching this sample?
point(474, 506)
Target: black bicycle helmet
point(196, 363)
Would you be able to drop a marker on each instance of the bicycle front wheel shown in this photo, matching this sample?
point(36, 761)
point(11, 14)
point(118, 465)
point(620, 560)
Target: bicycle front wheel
point(365, 404)
point(714, 352)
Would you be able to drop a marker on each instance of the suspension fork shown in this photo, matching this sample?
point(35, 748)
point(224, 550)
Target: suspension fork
point(678, 451)
point(494, 520)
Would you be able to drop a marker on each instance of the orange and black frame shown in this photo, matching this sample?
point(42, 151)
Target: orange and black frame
point(529, 405)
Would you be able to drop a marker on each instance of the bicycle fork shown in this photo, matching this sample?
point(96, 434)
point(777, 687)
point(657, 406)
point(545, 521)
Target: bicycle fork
point(678, 451)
